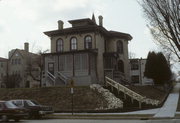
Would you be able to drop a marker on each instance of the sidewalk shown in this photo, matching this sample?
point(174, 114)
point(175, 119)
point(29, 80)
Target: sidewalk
point(170, 106)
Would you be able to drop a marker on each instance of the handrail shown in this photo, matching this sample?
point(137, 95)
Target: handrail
point(131, 93)
point(51, 76)
point(63, 77)
point(125, 89)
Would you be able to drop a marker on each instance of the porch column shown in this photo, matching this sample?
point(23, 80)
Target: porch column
point(89, 64)
point(73, 66)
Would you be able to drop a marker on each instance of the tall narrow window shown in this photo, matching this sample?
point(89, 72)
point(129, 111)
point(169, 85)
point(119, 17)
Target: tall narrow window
point(119, 46)
point(88, 42)
point(73, 43)
point(59, 45)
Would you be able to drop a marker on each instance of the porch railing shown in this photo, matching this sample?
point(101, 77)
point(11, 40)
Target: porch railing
point(51, 76)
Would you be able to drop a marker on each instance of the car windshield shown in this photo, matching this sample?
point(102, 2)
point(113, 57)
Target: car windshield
point(10, 105)
point(35, 102)
point(30, 103)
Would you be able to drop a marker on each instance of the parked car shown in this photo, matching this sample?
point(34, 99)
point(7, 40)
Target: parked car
point(10, 111)
point(36, 110)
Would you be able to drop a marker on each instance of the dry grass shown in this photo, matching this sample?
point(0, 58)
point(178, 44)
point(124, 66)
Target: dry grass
point(151, 92)
point(58, 97)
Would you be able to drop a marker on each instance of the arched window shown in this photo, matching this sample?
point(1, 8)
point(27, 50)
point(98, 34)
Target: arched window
point(119, 46)
point(73, 43)
point(88, 42)
point(59, 45)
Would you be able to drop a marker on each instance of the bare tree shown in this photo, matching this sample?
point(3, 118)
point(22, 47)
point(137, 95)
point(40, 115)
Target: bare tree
point(132, 55)
point(35, 66)
point(164, 22)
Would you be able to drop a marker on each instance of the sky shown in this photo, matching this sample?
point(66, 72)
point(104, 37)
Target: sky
point(26, 20)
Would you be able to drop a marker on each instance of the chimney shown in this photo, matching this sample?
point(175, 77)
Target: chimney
point(60, 24)
point(100, 20)
point(26, 46)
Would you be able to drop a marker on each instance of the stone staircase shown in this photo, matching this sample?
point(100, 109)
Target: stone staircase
point(130, 98)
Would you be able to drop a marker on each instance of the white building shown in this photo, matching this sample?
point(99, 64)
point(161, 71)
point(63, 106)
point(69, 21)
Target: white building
point(137, 72)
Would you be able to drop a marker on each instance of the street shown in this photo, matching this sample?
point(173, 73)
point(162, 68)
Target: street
point(100, 121)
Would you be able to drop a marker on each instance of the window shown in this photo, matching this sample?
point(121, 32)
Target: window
point(65, 63)
point(59, 45)
point(1, 64)
point(12, 62)
point(73, 43)
point(134, 65)
point(88, 42)
point(81, 61)
point(19, 61)
point(119, 46)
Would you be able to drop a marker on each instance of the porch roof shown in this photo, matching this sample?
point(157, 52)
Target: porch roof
point(93, 51)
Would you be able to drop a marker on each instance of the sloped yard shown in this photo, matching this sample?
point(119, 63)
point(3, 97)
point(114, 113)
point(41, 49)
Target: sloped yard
point(58, 97)
point(85, 99)
point(151, 92)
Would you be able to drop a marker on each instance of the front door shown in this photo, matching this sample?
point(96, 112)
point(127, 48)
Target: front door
point(121, 66)
point(51, 68)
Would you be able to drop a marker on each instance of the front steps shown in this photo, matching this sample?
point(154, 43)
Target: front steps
point(131, 99)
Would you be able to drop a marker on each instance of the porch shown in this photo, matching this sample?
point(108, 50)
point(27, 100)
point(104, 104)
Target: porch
point(60, 68)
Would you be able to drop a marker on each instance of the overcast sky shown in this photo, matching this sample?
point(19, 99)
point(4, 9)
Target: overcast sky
point(26, 20)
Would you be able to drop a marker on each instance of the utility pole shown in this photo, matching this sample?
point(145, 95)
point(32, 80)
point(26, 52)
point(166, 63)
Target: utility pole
point(72, 94)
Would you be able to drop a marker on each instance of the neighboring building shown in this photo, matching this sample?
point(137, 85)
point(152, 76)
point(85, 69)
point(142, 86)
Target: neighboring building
point(137, 72)
point(3, 70)
point(85, 52)
point(22, 63)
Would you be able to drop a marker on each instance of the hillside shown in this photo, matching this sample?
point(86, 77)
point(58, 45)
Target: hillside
point(58, 97)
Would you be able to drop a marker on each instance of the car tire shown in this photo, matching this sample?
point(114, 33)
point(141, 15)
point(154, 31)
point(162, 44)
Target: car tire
point(4, 118)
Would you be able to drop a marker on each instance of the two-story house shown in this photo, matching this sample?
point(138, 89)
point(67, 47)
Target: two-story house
point(85, 52)
point(3, 70)
point(22, 63)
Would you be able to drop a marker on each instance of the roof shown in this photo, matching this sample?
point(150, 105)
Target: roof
point(3, 59)
point(91, 27)
point(23, 53)
point(89, 21)
point(93, 51)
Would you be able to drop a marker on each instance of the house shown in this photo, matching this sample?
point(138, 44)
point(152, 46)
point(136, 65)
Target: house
point(85, 52)
point(3, 70)
point(22, 63)
point(137, 72)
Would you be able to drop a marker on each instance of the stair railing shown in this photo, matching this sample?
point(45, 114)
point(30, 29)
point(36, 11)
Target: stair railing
point(130, 93)
point(51, 76)
point(64, 78)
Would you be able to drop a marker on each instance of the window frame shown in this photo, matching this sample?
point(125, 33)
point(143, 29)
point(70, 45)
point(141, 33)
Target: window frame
point(120, 47)
point(87, 42)
point(73, 44)
point(60, 46)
